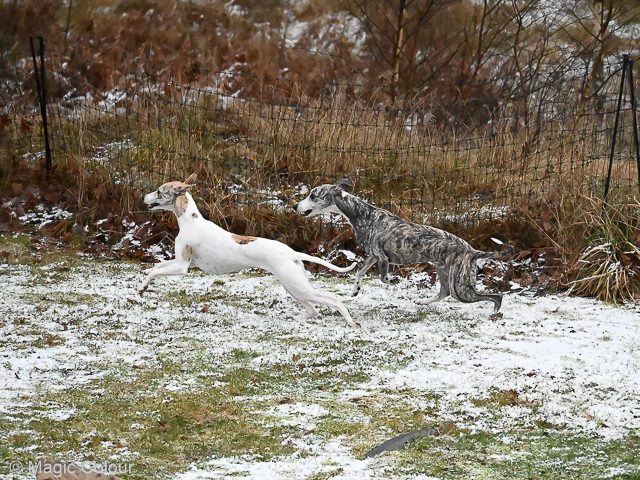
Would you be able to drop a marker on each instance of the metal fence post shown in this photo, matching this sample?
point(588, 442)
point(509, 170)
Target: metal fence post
point(625, 61)
point(632, 89)
point(42, 98)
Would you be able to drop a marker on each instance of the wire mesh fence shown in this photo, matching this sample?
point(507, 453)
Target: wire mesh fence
point(259, 140)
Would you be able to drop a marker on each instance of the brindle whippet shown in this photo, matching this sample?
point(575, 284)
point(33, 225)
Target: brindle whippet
point(389, 239)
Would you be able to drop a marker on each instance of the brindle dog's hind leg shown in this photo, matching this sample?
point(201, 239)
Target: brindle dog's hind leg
point(464, 284)
point(444, 288)
point(468, 294)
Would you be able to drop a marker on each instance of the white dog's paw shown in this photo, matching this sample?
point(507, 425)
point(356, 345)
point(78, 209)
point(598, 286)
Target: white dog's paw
point(147, 271)
point(426, 301)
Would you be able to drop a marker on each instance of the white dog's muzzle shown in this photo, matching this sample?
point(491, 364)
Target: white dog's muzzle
point(153, 201)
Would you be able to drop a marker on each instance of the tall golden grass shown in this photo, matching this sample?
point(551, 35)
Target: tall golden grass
point(253, 156)
point(605, 260)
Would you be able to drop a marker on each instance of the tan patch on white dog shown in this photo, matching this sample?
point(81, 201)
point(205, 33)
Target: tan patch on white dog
point(187, 253)
point(182, 202)
point(242, 240)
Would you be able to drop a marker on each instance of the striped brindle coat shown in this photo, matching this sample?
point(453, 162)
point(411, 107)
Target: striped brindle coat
point(391, 240)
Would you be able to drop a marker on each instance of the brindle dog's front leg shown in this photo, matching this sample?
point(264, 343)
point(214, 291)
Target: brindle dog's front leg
point(383, 265)
point(360, 273)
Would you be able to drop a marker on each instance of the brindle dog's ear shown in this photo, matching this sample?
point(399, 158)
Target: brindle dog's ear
point(344, 185)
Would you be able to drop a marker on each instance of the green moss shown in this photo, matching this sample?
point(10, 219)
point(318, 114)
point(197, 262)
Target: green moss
point(168, 429)
point(184, 403)
point(525, 456)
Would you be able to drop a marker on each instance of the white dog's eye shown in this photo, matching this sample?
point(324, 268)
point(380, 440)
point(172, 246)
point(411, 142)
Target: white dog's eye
point(312, 196)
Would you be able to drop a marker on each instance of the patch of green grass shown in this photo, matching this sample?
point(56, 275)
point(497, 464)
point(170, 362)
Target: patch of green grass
point(524, 456)
point(63, 298)
point(238, 354)
point(189, 299)
point(15, 440)
point(365, 422)
point(48, 340)
point(168, 429)
point(501, 398)
point(15, 249)
point(325, 475)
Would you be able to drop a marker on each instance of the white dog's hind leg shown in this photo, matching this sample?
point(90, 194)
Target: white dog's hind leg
point(310, 310)
point(293, 277)
point(333, 302)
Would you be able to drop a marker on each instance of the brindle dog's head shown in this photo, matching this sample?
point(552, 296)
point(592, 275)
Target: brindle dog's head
point(322, 199)
point(164, 198)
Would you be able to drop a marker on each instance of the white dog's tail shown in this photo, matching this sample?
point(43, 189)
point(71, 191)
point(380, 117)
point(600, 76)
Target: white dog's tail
point(324, 263)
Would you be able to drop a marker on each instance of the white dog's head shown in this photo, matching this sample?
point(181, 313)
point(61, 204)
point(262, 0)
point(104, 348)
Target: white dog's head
point(165, 197)
point(322, 198)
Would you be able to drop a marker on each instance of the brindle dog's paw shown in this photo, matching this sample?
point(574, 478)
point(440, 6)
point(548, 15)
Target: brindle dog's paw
point(355, 291)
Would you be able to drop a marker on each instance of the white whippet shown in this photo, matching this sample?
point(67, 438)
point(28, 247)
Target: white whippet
point(214, 250)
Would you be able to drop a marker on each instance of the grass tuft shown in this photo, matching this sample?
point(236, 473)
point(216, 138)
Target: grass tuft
point(608, 264)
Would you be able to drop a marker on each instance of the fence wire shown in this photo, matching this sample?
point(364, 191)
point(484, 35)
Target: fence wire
point(258, 140)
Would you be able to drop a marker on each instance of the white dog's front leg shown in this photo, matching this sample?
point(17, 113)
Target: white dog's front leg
point(179, 266)
point(176, 268)
point(163, 263)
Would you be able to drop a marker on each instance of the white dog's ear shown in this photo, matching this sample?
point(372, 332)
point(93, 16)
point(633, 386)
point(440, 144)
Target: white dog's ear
point(344, 185)
point(181, 189)
point(191, 179)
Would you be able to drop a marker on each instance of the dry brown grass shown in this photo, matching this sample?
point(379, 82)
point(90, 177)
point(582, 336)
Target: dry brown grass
point(251, 156)
point(606, 262)
point(528, 185)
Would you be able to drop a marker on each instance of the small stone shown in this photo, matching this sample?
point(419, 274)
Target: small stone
point(78, 229)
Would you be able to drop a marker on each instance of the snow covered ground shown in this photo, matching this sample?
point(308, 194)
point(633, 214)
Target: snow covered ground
point(568, 362)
